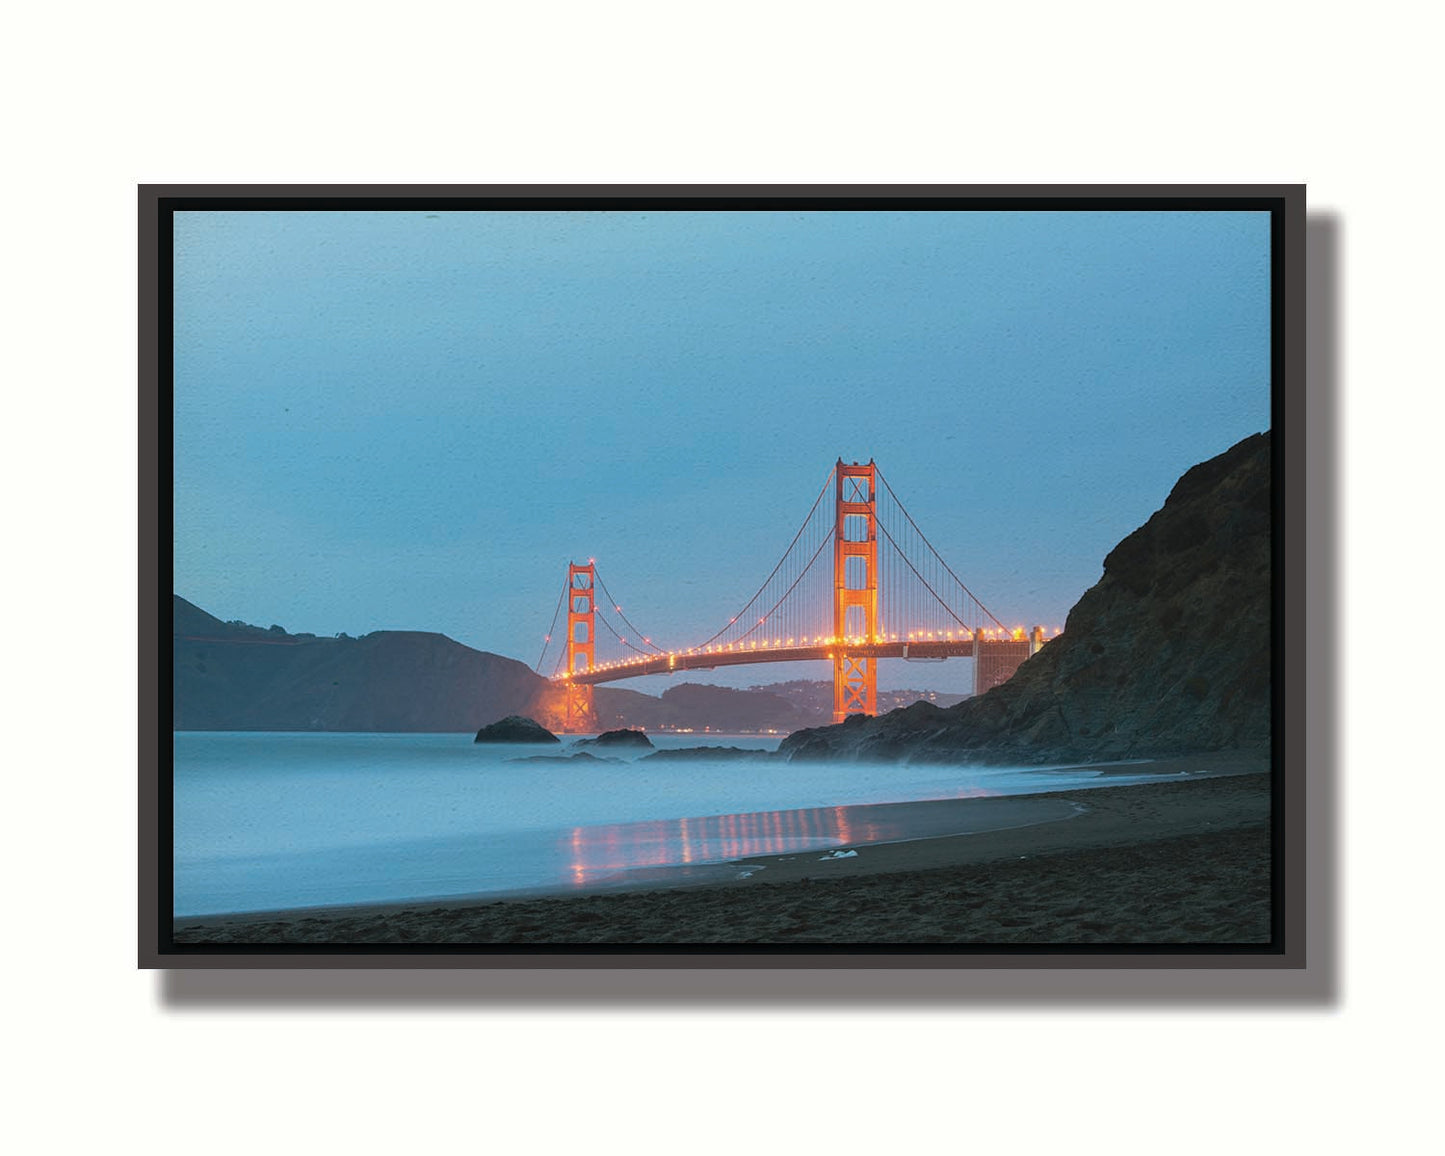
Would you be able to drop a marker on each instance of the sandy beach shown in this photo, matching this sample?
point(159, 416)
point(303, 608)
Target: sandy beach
point(1179, 862)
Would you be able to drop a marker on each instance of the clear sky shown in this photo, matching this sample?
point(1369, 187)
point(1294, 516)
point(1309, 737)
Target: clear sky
point(413, 420)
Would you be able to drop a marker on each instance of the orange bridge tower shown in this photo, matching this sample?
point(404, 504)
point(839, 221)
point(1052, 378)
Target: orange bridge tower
point(855, 591)
point(581, 643)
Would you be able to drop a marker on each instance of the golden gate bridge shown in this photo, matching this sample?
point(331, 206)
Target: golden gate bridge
point(859, 582)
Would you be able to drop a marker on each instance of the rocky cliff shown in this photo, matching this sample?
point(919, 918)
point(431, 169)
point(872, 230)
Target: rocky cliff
point(1168, 654)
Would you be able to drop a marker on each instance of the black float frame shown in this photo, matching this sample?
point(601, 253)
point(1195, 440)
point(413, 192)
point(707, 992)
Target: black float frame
point(1298, 862)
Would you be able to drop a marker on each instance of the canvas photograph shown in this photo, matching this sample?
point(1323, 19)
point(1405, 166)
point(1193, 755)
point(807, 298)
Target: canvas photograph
point(744, 575)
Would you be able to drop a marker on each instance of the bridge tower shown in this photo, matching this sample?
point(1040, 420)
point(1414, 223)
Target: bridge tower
point(855, 590)
point(581, 643)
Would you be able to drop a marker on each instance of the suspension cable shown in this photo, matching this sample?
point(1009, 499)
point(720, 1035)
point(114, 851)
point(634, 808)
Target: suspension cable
point(630, 624)
point(931, 590)
point(826, 483)
point(624, 641)
point(904, 510)
point(790, 589)
point(551, 629)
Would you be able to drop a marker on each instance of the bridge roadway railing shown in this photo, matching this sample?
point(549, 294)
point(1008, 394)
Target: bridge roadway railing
point(1004, 648)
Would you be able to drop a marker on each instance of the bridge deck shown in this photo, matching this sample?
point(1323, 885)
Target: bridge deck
point(669, 663)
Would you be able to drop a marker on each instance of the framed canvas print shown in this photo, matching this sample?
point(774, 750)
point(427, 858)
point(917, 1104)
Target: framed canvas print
point(742, 576)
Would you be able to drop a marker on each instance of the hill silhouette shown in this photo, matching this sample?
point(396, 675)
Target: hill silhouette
point(234, 676)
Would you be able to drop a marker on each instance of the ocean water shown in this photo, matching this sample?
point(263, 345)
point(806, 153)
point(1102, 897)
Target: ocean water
point(266, 821)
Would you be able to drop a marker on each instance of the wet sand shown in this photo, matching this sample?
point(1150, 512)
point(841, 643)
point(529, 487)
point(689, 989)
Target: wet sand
point(1179, 862)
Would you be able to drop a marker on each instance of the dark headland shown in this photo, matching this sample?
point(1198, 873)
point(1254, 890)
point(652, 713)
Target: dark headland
point(1166, 658)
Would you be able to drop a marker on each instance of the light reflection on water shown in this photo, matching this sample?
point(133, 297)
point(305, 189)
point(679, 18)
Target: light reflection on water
point(599, 852)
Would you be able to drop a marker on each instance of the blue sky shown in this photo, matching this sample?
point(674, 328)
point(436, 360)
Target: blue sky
point(412, 420)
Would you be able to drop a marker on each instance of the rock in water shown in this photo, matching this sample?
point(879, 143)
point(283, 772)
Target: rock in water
point(684, 754)
point(1169, 654)
point(515, 729)
point(621, 738)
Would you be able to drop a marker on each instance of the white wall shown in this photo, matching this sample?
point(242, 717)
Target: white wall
point(103, 97)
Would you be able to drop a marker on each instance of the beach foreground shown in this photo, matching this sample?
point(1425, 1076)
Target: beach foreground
point(1178, 862)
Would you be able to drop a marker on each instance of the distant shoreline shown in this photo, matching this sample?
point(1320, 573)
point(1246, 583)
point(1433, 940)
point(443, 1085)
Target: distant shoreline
point(1183, 860)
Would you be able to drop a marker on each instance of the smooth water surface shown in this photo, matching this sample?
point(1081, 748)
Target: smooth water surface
point(267, 821)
